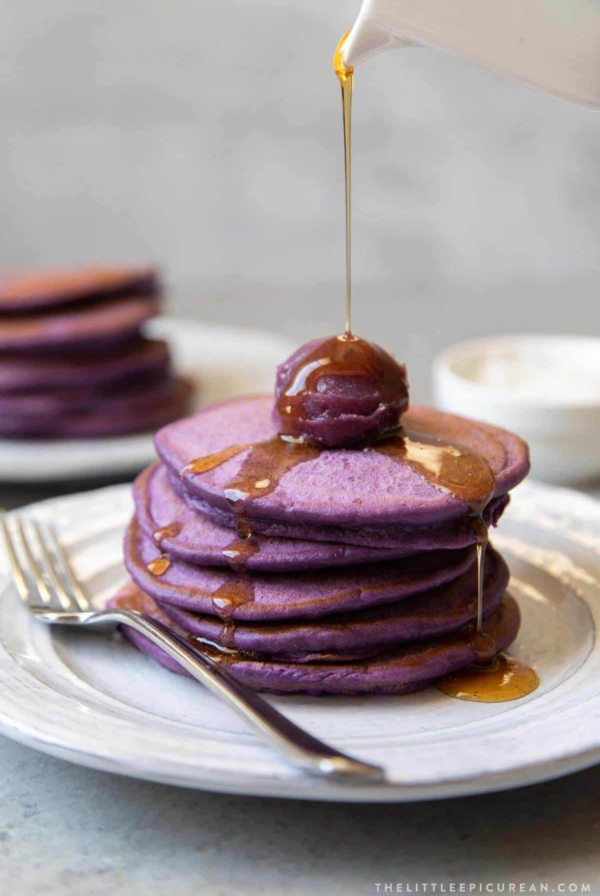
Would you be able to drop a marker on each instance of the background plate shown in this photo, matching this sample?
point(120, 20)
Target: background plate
point(98, 702)
point(222, 361)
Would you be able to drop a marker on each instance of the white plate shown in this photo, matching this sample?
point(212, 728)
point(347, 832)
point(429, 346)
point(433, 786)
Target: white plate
point(98, 702)
point(223, 361)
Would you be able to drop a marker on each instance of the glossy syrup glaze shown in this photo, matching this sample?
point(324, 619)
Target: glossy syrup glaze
point(170, 531)
point(159, 565)
point(339, 392)
point(451, 468)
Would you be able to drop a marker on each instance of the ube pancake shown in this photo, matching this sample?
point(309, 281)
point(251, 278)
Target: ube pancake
point(136, 409)
point(399, 541)
point(286, 596)
point(51, 288)
point(193, 537)
point(351, 489)
point(399, 671)
point(95, 324)
point(142, 358)
point(433, 613)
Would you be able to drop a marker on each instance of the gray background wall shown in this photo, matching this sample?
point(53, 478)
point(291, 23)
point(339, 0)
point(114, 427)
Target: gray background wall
point(206, 136)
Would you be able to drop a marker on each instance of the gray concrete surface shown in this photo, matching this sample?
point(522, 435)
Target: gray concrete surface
point(68, 831)
point(206, 137)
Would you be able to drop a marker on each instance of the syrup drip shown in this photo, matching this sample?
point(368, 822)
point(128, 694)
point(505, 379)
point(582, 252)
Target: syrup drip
point(228, 635)
point(449, 467)
point(170, 531)
point(210, 461)
point(239, 551)
point(346, 78)
point(481, 643)
point(263, 469)
point(239, 589)
point(463, 474)
point(243, 529)
point(158, 566)
point(481, 552)
point(219, 652)
point(504, 679)
point(258, 476)
point(233, 593)
point(213, 650)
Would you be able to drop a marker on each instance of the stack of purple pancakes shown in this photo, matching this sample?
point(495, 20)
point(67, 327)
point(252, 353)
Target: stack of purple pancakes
point(73, 360)
point(321, 570)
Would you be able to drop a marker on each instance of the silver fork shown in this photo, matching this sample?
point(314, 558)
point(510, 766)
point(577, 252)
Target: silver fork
point(47, 585)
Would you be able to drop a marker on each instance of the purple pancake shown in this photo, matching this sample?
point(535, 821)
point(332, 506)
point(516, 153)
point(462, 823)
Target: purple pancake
point(139, 360)
point(52, 288)
point(193, 537)
point(93, 325)
point(336, 489)
point(433, 613)
point(286, 596)
point(129, 410)
point(399, 671)
point(397, 541)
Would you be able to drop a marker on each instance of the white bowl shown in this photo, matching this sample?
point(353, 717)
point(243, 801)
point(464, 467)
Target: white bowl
point(545, 388)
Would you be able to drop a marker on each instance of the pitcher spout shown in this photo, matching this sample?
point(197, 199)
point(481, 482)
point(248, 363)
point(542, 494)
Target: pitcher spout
point(368, 37)
point(552, 46)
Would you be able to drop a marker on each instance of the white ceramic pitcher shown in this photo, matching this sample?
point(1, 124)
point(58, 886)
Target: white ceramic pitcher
point(553, 45)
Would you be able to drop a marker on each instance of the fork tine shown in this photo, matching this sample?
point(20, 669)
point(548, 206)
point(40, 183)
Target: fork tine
point(65, 600)
point(15, 565)
point(67, 570)
point(33, 567)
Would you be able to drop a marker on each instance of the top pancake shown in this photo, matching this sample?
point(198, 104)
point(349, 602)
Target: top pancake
point(183, 533)
point(53, 288)
point(349, 488)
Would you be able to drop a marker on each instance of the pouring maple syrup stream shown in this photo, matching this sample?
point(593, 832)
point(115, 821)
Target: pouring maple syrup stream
point(346, 78)
point(492, 678)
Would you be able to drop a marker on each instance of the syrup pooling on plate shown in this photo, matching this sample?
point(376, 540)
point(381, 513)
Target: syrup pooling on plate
point(504, 679)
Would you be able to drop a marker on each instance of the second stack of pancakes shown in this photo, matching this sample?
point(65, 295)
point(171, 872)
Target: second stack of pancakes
point(336, 572)
point(74, 361)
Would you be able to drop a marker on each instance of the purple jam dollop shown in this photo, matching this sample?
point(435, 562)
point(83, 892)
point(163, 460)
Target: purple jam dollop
point(339, 392)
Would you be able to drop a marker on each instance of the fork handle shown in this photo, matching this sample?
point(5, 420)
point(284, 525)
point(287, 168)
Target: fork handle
point(299, 747)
